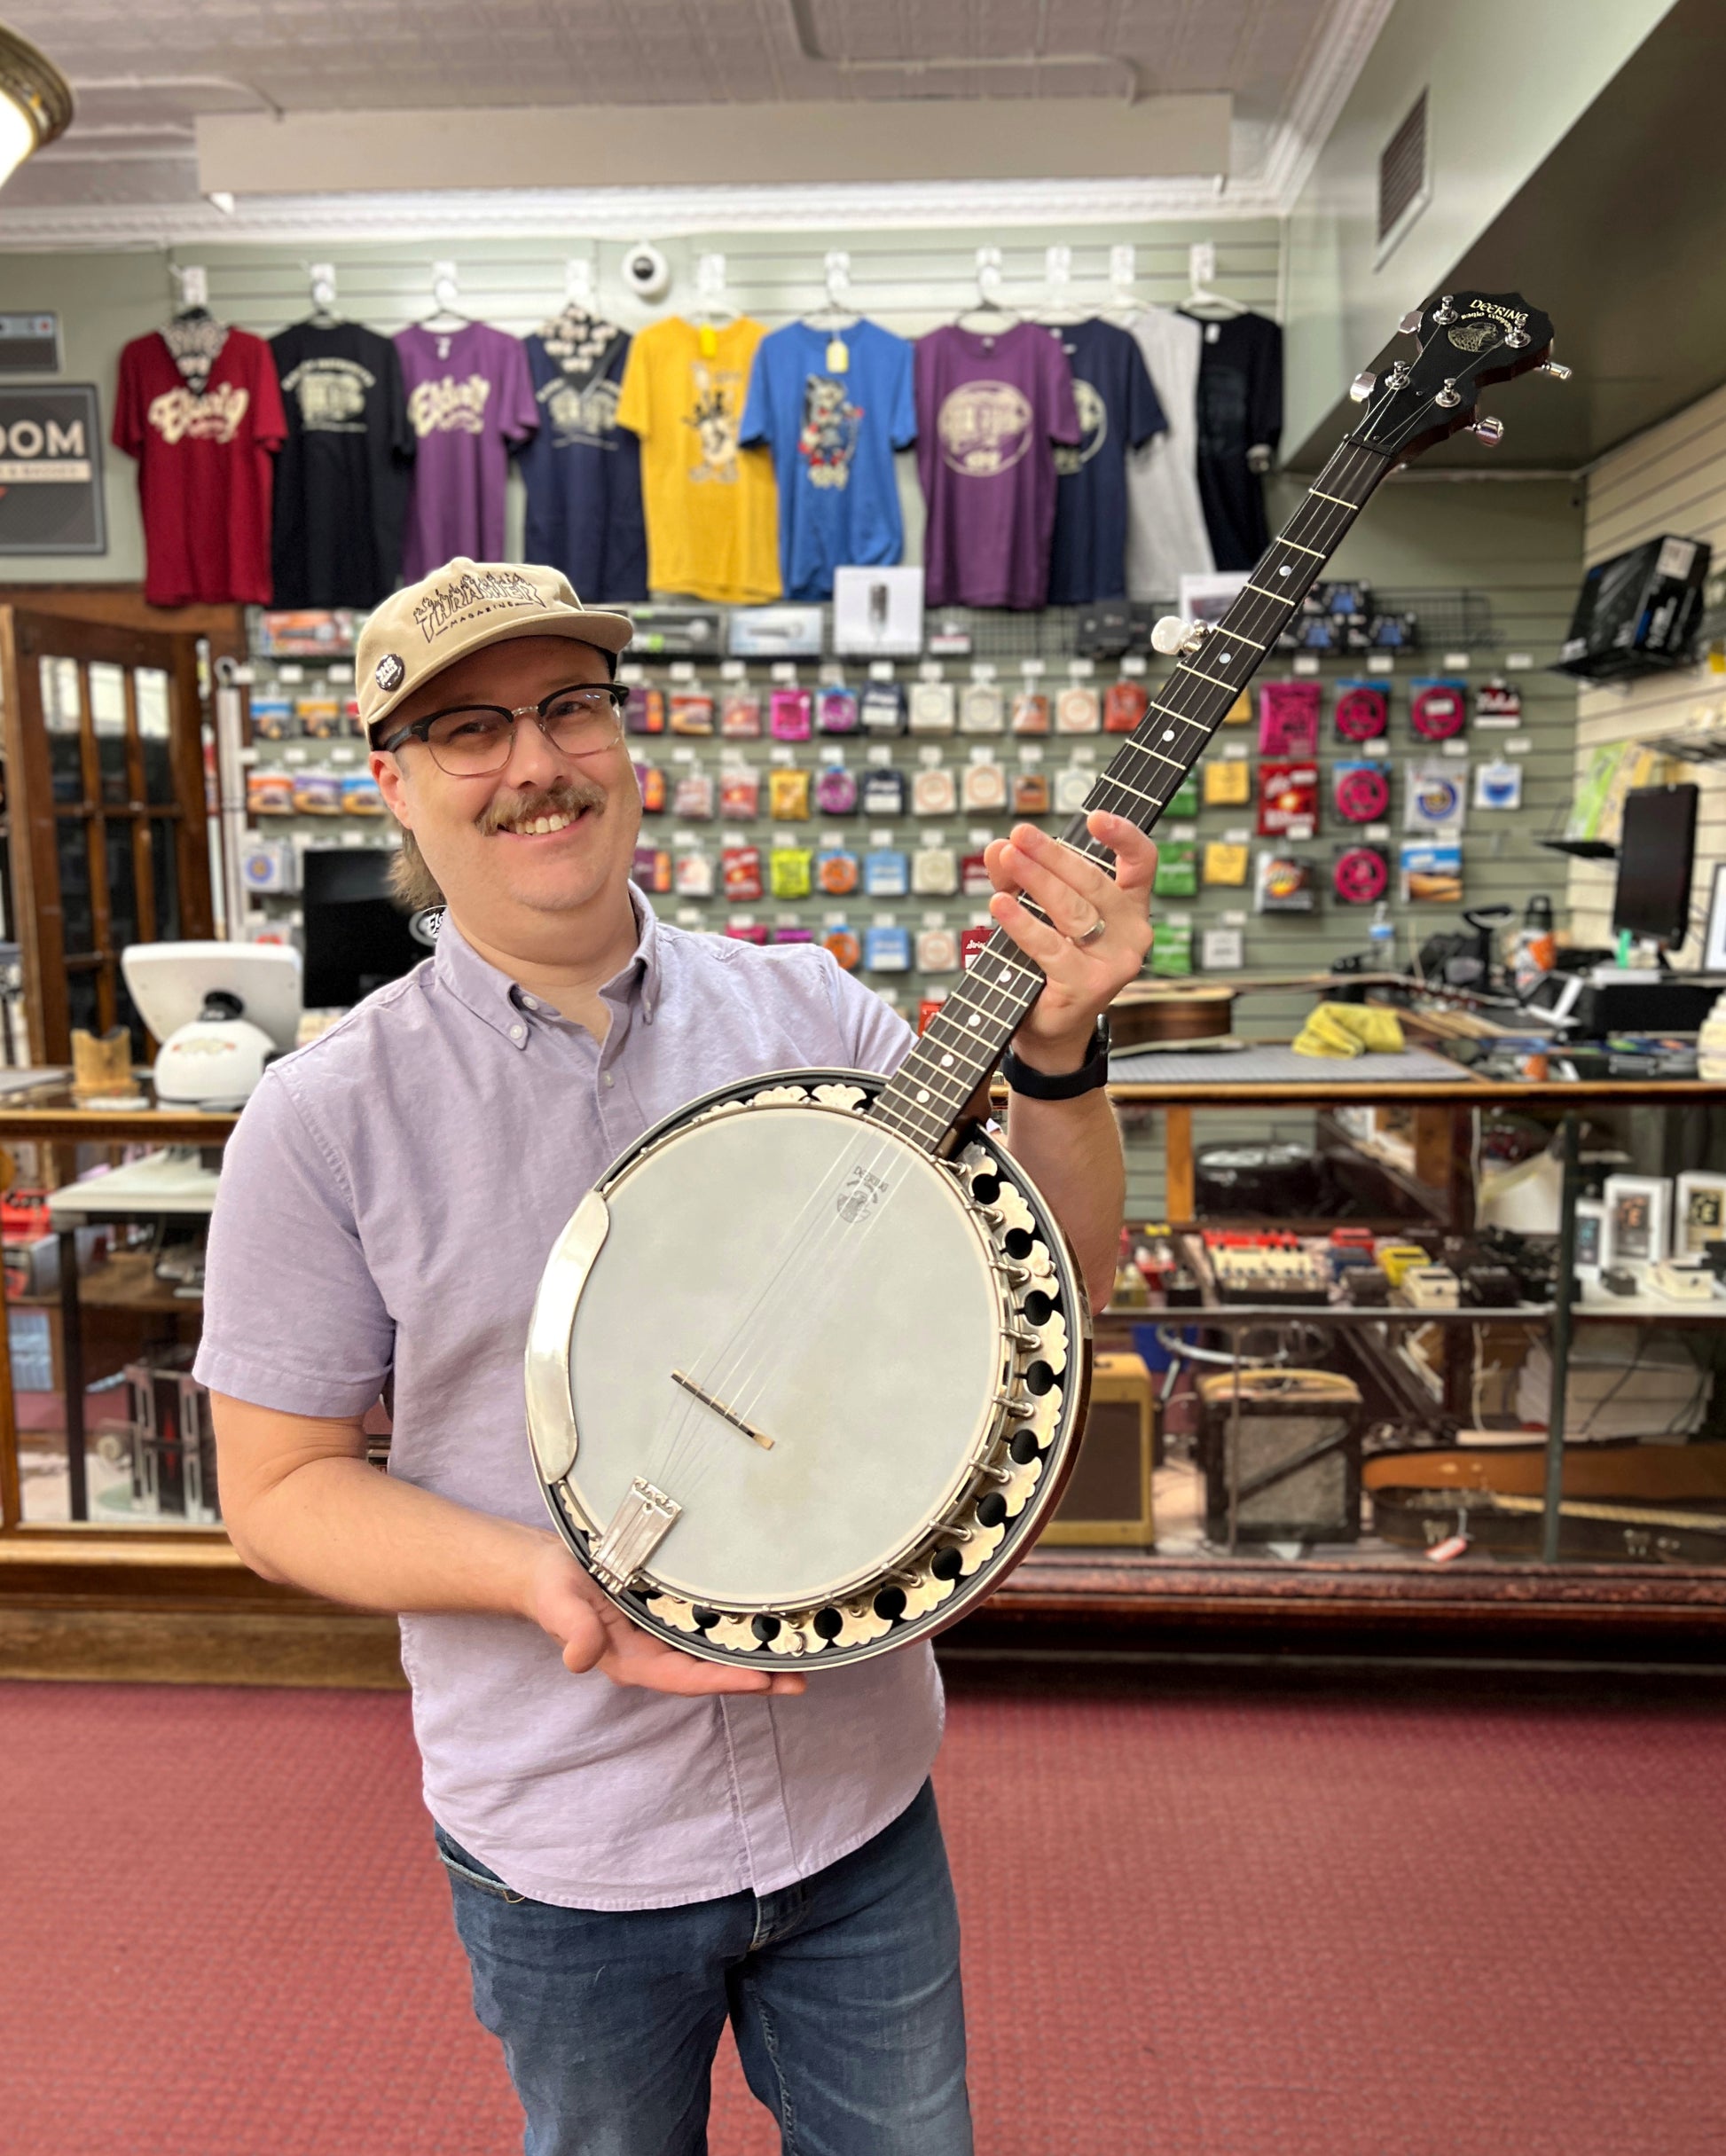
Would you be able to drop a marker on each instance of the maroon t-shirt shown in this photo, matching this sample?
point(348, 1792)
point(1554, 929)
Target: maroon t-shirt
point(990, 407)
point(204, 468)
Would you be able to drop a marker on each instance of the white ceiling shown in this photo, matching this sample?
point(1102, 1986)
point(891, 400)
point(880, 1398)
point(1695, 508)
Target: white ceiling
point(142, 69)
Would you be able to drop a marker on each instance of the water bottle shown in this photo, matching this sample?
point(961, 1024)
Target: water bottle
point(1382, 938)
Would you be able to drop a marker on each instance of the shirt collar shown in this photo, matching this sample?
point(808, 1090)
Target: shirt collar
point(492, 995)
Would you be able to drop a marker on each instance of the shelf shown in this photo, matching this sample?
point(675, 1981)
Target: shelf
point(1581, 848)
point(1701, 747)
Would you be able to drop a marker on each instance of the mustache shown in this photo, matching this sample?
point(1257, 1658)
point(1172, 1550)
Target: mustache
point(566, 797)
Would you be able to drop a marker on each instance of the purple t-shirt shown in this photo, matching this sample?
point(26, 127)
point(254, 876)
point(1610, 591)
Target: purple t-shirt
point(990, 407)
point(469, 399)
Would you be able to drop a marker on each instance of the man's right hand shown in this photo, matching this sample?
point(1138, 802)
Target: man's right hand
point(594, 1633)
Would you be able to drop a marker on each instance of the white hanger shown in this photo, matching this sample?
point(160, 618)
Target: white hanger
point(1057, 276)
point(1201, 275)
point(714, 307)
point(191, 288)
point(1124, 300)
point(988, 284)
point(578, 283)
point(837, 313)
point(322, 275)
point(445, 291)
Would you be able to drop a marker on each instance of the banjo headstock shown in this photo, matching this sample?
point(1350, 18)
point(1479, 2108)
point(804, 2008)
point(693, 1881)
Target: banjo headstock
point(1467, 340)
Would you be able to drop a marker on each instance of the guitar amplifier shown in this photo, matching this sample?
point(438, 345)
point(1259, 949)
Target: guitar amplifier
point(1637, 612)
point(1107, 1501)
point(1297, 1477)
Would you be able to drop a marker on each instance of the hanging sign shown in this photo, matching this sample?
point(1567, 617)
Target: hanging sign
point(51, 470)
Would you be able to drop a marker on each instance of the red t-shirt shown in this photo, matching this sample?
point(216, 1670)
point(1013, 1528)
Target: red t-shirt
point(204, 468)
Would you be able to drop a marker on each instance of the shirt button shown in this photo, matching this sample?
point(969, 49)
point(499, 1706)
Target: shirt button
point(518, 1033)
point(605, 1080)
point(528, 1004)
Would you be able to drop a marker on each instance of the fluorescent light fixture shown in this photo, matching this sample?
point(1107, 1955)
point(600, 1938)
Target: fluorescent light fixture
point(35, 102)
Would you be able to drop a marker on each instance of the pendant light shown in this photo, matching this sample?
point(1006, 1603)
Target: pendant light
point(35, 101)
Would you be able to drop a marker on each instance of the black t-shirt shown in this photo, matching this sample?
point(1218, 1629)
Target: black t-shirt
point(1240, 407)
point(1118, 411)
point(342, 479)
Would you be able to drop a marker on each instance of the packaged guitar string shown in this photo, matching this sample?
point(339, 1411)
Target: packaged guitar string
point(1222, 950)
point(887, 949)
point(1497, 703)
point(937, 951)
point(1438, 711)
point(980, 710)
point(651, 781)
point(360, 795)
point(740, 792)
point(692, 872)
point(1182, 805)
point(1227, 782)
point(886, 872)
point(1435, 797)
point(1177, 869)
point(789, 871)
point(739, 714)
point(1072, 789)
point(693, 799)
point(974, 875)
point(740, 871)
point(645, 712)
point(844, 946)
point(1078, 711)
point(1225, 863)
point(882, 708)
point(789, 932)
point(837, 871)
point(1431, 872)
point(652, 870)
point(834, 790)
point(1360, 793)
point(273, 719)
point(269, 864)
point(1030, 794)
point(1284, 883)
point(972, 940)
point(984, 787)
point(316, 793)
point(747, 932)
point(935, 872)
point(692, 712)
point(836, 713)
point(789, 715)
point(1289, 718)
point(883, 791)
point(1498, 786)
point(1240, 712)
point(1124, 704)
point(934, 791)
point(1171, 948)
point(1287, 799)
point(787, 795)
point(1360, 876)
point(319, 717)
point(931, 707)
point(1029, 712)
point(1363, 710)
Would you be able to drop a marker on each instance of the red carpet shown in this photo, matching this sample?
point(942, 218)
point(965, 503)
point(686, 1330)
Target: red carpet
point(1201, 1921)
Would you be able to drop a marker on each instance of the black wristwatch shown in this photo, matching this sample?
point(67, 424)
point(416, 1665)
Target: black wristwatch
point(1040, 1086)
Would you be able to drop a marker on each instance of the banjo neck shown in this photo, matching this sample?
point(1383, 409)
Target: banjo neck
point(929, 1095)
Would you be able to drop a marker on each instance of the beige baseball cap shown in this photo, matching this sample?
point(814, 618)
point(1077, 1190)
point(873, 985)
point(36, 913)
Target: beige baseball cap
point(463, 606)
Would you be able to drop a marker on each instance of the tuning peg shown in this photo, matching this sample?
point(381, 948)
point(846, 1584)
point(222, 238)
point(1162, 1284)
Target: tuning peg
point(1488, 431)
point(1444, 311)
point(1362, 386)
point(1556, 369)
point(1409, 326)
point(1175, 638)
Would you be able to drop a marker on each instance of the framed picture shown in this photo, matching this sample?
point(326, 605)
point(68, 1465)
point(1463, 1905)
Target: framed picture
point(1713, 939)
point(1638, 1219)
point(1590, 1237)
point(1699, 1215)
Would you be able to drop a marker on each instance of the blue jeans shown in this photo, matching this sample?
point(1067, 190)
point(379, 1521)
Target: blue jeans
point(843, 1991)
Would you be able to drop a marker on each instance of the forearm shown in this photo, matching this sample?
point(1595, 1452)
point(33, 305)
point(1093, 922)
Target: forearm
point(339, 1528)
point(1071, 1150)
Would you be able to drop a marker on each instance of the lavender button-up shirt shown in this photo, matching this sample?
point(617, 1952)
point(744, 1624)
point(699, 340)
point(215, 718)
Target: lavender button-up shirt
point(388, 1201)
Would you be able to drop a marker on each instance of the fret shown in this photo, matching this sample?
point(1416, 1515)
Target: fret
point(1299, 549)
point(1282, 598)
point(1216, 680)
point(1137, 792)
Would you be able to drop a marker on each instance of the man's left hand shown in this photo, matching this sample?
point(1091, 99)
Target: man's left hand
point(1083, 978)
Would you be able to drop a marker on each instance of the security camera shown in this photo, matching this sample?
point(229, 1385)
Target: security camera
point(646, 271)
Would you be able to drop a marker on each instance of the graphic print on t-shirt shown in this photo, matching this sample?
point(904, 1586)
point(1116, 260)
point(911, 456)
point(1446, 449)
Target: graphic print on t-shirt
point(585, 418)
point(449, 406)
point(330, 394)
point(718, 405)
point(1070, 457)
point(984, 428)
point(828, 440)
point(179, 416)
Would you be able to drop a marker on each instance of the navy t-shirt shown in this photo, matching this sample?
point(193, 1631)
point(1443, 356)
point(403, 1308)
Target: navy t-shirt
point(832, 435)
point(584, 471)
point(1118, 411)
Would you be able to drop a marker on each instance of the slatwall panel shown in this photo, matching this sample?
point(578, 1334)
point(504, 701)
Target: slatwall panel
point(1672, 478)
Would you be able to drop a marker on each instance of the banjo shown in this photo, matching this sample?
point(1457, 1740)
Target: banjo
point(754, 1491)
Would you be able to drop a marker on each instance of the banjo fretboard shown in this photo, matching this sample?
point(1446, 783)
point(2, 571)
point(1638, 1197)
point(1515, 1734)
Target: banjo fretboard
point(929, 1093)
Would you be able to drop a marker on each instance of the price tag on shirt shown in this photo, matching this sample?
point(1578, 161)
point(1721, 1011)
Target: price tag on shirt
point(838, 356)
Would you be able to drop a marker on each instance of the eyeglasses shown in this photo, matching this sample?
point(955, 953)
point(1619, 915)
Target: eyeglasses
point(476, 738)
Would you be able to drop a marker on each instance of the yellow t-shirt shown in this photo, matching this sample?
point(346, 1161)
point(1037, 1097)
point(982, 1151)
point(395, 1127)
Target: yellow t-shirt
point(712, 508)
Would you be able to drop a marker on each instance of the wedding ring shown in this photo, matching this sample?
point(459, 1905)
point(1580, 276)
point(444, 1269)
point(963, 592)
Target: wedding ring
point(1096, 929)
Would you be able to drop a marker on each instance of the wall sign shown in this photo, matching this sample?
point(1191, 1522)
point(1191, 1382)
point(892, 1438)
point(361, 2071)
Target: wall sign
point(51, 470)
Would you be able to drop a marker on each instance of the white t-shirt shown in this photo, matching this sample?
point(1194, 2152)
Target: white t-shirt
point(1165, 534)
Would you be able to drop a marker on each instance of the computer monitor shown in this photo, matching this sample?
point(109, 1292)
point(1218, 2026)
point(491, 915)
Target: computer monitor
point(1656, 854)
point(358, 936)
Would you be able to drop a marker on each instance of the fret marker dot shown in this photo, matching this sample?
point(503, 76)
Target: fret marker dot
point(1283, 570)
point(1225, 659)
point(1168, 733)
point(923, 1093)
point(1006, 974)
point(946, 1063)
point(976, 1018)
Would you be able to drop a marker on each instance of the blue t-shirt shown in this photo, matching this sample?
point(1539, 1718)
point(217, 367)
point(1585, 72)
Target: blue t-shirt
point(832, 437)
point(582, 471)
point(1118, 411)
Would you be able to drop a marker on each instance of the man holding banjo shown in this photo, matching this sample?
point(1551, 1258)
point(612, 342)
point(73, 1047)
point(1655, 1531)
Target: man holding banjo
point(641, 1844)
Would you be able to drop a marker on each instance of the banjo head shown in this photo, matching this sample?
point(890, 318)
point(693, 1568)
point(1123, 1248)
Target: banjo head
point(780, 1375)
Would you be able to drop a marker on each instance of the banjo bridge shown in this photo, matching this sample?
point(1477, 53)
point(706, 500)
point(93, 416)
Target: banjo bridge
point(639, 1525)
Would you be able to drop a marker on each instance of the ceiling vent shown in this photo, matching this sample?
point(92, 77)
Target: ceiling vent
point(1404, 185)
